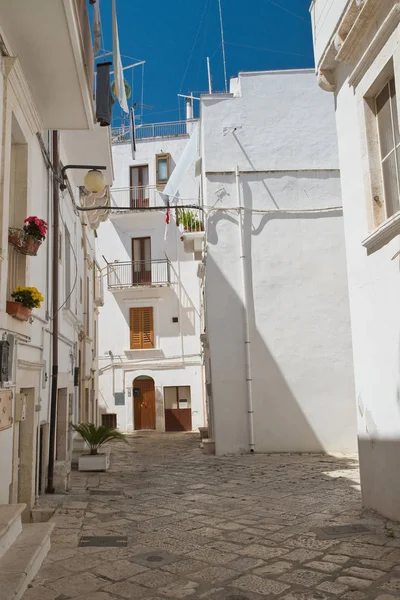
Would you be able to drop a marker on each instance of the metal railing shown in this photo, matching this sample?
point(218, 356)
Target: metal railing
point(121, 135)
point(145, 196)
point(123, 275)
point(189, 220)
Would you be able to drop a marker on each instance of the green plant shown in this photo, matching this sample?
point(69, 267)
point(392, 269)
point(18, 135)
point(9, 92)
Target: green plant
point(95, 436)
point(27, 296)
point(189, 220)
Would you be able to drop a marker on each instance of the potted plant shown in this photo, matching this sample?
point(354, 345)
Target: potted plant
point(24, 299)
point(28, 239)
point(189, 221)
point(95, 437)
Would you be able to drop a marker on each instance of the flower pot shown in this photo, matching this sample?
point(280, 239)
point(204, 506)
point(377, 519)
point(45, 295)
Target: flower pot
point(17, 310)
point(30, 246)
point(94, 462)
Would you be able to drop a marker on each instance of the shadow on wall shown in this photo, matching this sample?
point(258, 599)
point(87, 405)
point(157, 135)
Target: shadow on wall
point(280, 422)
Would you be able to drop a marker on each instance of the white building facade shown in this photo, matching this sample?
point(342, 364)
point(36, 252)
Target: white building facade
point(151, 370)
point(357, 57)
point(33, 104)
point(277, 331)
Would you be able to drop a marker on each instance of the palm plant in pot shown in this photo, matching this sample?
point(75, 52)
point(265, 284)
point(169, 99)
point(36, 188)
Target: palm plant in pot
point(95, 437)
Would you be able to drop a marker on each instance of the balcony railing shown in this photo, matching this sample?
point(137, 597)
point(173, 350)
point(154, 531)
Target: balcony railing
point(146, 196)
point(121, 135)
point(142, 273)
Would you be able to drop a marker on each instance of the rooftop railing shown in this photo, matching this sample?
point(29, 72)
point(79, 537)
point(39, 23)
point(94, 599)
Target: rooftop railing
point(145, 131)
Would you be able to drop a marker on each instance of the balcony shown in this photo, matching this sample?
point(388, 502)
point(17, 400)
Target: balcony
point(147, 131)
point(138, 275)
point(53, 44)
point(137, 198)
point(325, 15)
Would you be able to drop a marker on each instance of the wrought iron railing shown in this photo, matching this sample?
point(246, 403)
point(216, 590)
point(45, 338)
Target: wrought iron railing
point(145, 196)
point(121, 135)
point(123, 275)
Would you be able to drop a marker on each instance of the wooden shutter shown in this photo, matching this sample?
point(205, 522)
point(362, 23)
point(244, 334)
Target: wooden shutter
point(142, 330)
point(148, 330)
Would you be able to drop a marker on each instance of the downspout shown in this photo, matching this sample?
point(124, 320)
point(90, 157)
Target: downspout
point(247, 342)
point(54, 372)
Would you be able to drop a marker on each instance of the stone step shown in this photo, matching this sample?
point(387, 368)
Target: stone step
point(10, 525)
point(22, 561)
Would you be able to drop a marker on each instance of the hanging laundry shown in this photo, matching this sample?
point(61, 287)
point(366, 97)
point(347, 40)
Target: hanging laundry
point(132, 131)
point(118, 71)
point(96, 25)
point(166, 222)
point(104, 99)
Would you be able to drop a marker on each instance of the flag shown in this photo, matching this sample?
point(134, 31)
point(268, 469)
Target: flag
point(118, 72)
point(166, 222)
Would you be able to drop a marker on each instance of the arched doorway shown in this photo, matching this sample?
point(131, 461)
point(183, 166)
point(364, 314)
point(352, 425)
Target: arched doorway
point(144, 403)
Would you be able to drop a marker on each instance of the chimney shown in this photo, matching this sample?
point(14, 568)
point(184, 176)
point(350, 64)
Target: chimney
point(189, 108)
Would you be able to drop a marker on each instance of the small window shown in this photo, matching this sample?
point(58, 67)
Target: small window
point(177, 397)
point(162, 169)
point(142, 329)
point(389, 143)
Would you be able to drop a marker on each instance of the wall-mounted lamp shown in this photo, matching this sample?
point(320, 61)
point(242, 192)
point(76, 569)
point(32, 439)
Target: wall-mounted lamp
point(94, 179)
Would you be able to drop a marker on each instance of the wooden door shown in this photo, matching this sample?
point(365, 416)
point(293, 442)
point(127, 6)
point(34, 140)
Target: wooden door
point(139, 182)
point(144, 404)
point(141, 261)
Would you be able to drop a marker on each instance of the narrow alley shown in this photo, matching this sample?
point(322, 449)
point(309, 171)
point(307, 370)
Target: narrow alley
point(180, 524)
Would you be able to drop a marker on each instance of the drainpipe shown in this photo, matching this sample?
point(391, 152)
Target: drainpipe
point(54, 372)
point(247, 342)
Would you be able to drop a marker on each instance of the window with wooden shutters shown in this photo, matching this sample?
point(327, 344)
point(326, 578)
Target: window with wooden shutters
point(142, 330)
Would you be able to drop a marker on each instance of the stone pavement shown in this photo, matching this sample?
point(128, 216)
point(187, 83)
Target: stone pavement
point(218, 528)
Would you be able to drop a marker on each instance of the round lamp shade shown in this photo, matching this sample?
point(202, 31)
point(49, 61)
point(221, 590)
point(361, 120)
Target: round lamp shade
point(94, 181)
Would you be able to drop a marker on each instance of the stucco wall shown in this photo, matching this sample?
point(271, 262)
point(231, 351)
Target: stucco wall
point(303, 392)
point(176, 358)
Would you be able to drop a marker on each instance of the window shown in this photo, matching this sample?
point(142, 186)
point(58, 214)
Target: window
point(141, 260)
point(142, 329)
point(67, 251)
point(177, 397)
point(139, 180)
point(389, 142)
point(162, 169)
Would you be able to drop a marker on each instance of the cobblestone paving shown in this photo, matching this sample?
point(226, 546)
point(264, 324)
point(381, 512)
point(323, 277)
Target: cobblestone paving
point(210, 528)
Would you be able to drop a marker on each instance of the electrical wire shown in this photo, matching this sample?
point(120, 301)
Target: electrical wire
point(194, 43)
point(267, 49)
point(287, 10)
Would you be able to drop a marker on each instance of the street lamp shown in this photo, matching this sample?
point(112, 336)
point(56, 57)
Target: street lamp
point(94, 179)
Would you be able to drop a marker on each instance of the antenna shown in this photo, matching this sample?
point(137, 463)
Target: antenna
point(223, 44)
point(209, 76)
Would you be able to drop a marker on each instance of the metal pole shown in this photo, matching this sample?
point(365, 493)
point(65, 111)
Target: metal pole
point(209, 76)
point(223, 44)
point(54, 374)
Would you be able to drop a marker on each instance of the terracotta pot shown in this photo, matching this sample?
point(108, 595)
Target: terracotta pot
point(17, 310)
point(31, 246)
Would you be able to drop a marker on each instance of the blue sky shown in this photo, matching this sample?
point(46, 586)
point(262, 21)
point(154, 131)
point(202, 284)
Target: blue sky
point(174, 37)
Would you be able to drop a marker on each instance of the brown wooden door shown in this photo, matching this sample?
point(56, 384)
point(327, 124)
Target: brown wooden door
point(144, 404)
point(141, 260)
point(139, 180)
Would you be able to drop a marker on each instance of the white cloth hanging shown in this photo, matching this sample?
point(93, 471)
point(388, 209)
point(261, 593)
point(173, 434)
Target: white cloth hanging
point(118, 72)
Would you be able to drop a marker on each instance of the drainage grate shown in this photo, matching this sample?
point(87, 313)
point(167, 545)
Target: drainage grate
point(103, 541)
point(105, 492)
point(341, 530)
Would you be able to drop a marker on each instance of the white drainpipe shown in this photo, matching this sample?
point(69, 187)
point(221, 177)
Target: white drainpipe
point(247, 343)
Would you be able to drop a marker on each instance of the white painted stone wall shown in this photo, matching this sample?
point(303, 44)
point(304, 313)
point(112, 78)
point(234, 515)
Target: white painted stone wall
point(373, 278)
point(279, 129)
point(32, 351)
point(176, 358)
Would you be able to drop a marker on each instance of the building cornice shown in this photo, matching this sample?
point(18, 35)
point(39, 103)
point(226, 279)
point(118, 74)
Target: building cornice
point(383, 234)
point(346, 39)
point(13, 71)
point(379, 40)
